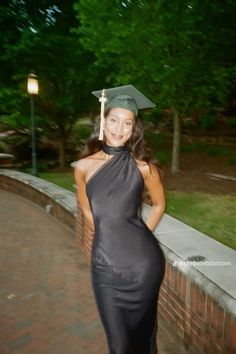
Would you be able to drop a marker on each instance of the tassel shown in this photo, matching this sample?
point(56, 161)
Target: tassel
point(103, 100)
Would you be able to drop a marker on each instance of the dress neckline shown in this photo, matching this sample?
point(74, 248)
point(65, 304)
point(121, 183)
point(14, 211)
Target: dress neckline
point(114, 150)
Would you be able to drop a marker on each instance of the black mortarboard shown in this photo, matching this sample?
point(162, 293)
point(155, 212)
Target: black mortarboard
point(127, 97)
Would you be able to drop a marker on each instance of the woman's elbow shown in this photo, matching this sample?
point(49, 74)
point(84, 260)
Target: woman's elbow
point(160, 207)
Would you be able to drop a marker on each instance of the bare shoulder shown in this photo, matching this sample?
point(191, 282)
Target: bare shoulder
point(84, 163)
point(84, 166)
point(147, 169)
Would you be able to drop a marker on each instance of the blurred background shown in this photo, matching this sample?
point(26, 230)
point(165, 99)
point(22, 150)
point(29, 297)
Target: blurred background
point(181, 54)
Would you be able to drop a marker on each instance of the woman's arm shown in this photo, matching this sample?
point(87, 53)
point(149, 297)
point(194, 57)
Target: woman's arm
point(79, 175)
point(153, 184)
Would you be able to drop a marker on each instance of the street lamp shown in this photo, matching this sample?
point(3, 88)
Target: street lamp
point(33, 89)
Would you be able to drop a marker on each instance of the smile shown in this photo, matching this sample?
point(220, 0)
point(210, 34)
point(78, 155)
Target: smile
point(117, 137)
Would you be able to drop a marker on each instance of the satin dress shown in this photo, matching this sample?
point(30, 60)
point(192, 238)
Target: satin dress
point(127, 263)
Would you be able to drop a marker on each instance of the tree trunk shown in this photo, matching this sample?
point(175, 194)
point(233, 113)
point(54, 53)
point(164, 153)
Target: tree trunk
point(62, 152)
point(175, 164)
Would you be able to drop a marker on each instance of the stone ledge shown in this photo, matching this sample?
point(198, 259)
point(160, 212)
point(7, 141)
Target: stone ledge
point(181, 242)
point(58, 194)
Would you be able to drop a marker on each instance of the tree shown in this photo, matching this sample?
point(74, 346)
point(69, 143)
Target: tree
point(38, 35)
point(173, 50)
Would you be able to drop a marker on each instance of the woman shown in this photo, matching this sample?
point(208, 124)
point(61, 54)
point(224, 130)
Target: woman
point(127, 263)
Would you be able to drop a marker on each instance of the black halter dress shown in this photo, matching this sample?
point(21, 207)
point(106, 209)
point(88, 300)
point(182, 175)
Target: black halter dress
point(127, 263)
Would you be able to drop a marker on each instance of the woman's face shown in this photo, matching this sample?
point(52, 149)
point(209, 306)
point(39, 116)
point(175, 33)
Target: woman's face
point(118, 126)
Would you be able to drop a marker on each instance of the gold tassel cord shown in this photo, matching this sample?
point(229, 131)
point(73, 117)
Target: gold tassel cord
point(103, 100)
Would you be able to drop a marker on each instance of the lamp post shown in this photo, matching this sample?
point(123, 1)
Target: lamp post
point(33, 89)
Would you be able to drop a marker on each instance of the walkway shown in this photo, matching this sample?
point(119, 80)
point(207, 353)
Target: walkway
point(46, 301)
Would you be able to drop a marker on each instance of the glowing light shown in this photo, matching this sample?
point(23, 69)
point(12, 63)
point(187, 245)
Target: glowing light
point(32, 84)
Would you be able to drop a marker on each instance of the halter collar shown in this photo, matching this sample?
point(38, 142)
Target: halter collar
point(114, 150)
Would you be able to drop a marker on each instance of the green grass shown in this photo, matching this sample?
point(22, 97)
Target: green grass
point(193, 147)
point(211, 214)
point(214, 215)
point(65, 179)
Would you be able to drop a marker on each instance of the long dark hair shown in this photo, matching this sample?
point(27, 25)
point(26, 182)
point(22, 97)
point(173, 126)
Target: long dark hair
point(136, 143)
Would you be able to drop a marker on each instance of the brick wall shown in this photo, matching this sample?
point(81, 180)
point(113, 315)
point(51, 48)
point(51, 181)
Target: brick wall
point(203, 325)
point(84, 236)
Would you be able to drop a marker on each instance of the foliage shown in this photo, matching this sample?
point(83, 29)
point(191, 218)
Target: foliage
point(175, 57)
point(207, 120)
point(175, 51)
point(231, 122)
point(178, 53)
point(193, 147)
point(82, 132)
point(218, 151)
point(232, 160)
point(38, 35)
point(14, 112)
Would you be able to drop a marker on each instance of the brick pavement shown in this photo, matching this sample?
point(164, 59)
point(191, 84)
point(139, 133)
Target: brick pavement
point(46, 301)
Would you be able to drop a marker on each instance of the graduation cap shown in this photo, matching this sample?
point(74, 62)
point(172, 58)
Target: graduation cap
point(127, 97)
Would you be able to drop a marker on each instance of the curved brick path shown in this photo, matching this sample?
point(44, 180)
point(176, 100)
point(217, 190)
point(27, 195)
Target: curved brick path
point(46, 301)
